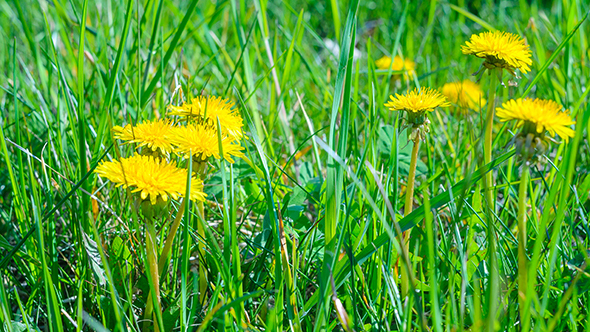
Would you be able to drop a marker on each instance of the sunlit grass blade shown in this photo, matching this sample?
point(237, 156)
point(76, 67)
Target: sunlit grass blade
point(112, 80)
point(472, 17)
point(268, 192)
point(335, 172)
point(46, 215)
point(145, 95)
point(54, 308)
point(434, 285)
point(554, 55)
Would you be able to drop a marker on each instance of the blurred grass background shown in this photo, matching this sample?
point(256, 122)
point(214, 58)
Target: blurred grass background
point(332, 164)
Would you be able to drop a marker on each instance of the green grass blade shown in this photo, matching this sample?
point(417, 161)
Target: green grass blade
point(82, 118)
point(48, 214)
point(472, 17)
point(554, 55)
point(335, 172)
point(145, 95)
point(271, 205)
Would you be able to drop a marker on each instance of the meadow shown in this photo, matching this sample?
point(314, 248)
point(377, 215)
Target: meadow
point(256, 165)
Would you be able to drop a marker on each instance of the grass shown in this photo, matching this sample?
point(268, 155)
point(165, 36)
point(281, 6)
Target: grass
point(303, 233)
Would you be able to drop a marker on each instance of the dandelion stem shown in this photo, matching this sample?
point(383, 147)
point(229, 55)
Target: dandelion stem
point(522, 239)
point(411, 177)
point(170, 238)
point(489, 178)
point(152, 254)
point(203, 278)
point(407, 209)
point(163, 261)
point(490, 206)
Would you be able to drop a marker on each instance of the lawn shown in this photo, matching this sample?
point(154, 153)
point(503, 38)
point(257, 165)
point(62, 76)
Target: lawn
point(294, 165)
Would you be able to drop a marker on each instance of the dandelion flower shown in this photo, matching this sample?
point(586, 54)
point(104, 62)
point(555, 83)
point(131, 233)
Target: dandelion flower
point(399, 64)
point(152, 177)
point(202, 142)
point(417, 101)
point(153, 134)
point(538, 115)
point(466, 94)
point(500, 50)
point(416, 104)
point(208, 109)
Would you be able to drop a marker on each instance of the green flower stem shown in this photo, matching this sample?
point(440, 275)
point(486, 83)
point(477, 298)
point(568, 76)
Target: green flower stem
point(490, 206)
point(152, 254)
point(163, 261)
point(411, 179)
point(203, 278)
point(405, 282)
point(522, 239)
point(203, 281)
point(170, 238)
point(489, 178)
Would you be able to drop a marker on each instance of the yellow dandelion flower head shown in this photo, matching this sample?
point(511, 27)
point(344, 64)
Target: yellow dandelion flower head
point(151, 177)
point(417, 101)
point(398, 64)
point(466, 94)
point(541, 114)
point(208, 110)
point(153, 134)
point(202, 142)
point(501, 50)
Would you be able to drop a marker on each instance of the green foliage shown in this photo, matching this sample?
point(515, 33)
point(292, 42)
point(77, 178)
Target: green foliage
point(303, 234)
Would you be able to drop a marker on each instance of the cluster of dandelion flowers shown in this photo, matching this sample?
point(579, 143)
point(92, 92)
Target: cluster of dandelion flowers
point(151, 134)
point(153, 178)
point(416, 103)
point(536, 116)
point(208, 109)
point(203, 142)
point(398, 64)
point(465, 94)
point(500, 50)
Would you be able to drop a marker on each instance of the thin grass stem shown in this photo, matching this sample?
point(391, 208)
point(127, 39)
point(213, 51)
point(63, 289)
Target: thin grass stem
point(522, 239)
